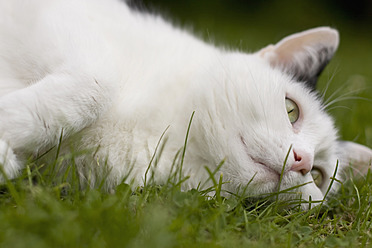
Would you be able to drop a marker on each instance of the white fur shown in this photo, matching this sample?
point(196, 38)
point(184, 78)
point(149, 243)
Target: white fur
point(113, 80)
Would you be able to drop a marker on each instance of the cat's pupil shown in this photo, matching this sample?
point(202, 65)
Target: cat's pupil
point(292, 110)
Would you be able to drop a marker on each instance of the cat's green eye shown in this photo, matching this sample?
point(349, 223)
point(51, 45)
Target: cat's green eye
point(292, 110)
point(317, 177)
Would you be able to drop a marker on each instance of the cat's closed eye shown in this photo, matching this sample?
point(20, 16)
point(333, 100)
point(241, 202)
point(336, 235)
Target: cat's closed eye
point(292, 110)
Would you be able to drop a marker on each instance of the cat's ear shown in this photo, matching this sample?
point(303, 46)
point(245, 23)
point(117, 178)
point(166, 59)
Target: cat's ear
point(356, 156)
point(303, 55)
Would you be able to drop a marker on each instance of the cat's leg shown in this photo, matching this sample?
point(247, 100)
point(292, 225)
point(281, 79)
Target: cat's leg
point(34, 117)
point(8, 161)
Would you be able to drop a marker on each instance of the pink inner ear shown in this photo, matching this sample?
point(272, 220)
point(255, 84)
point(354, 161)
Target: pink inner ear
point(303, 55)
point(284, 51)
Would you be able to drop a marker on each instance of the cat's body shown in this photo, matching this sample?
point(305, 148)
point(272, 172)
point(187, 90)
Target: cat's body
point(114, 80)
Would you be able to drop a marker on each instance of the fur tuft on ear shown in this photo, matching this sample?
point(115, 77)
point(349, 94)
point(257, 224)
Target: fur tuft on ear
point(356, 156)
point(303, 55)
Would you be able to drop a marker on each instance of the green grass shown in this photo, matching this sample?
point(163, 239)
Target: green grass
point(35, 211)
point(42, 209)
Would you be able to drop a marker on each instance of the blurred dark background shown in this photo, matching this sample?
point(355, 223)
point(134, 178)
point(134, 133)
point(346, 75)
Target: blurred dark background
point(252, 24)
point(283, 14)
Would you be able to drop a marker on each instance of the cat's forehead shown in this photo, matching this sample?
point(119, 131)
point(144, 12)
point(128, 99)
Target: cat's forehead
point(249, 73)
point(248, 89)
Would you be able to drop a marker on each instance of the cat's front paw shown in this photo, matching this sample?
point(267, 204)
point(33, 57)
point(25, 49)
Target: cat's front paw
point(9, 163)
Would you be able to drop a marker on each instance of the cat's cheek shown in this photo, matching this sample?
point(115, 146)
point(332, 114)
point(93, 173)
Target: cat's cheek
point(268, 177)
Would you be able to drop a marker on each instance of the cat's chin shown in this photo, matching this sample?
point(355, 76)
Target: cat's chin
point(304, 198)
point(295, 189)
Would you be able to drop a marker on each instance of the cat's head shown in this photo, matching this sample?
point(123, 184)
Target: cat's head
point(260, 113)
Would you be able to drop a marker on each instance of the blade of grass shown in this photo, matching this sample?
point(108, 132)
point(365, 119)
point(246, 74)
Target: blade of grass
point(185, 145)
point(282, 172)
point(12, 189)
point(153, 156)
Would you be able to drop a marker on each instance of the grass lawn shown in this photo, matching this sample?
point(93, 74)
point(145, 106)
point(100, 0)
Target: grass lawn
point(62, 215)
point(45, 210)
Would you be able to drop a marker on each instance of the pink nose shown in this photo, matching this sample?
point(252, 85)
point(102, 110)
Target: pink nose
point(303, 161)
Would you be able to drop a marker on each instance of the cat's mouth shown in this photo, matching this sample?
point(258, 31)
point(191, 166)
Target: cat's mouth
point(265, 166)
point(257, 161)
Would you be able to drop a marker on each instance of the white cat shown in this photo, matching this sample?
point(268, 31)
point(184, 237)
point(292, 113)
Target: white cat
point(111, 81)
